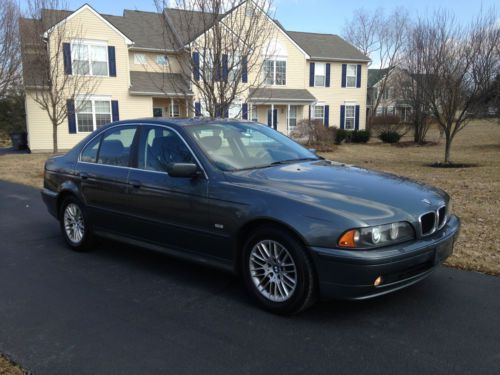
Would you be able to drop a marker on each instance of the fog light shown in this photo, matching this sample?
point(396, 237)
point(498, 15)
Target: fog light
point(378, 281)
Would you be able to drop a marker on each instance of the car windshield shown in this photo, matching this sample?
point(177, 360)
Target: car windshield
point(238, 146)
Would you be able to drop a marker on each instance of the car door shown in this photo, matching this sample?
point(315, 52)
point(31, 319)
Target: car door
point(171, 211)
point(103, 170)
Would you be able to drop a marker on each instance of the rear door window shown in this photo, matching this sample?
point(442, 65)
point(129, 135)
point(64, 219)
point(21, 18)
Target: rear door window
point(116, 145)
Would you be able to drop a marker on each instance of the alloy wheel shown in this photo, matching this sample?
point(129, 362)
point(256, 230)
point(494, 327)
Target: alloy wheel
point(74, 224)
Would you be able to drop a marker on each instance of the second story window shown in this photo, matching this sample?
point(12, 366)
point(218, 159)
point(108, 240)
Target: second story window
point(89, 58)
point(351, 77)
point(319, 74)
point(275, 72)
point(139, 58)
point(162, 60)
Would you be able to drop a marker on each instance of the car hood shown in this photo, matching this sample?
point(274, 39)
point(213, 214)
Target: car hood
point(361, 194)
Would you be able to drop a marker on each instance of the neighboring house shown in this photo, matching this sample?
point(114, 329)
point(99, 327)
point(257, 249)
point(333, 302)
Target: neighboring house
point(391, 102)
point(317, 76)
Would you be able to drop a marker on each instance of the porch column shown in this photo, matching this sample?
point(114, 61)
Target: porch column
point(288, 119)
point(249, 114)
point(171, 107)
point(187, 108)
point(272, 116)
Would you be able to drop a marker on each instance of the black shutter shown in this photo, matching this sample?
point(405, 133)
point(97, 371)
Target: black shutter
point(269, 117)
point(311, 74)
point(344, 75)
point(67, 58)
point(327, 116)
point(115, 110)
point(196, 66)
point(70, 107)
point(327, 78)
point(342, 116)
point(244, 111)
point(358, 76)
point(112, 61)
point(356, 118)
point(244, 71)
point(197, 109)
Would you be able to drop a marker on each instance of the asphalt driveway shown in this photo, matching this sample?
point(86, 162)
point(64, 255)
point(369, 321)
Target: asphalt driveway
point(123, 310)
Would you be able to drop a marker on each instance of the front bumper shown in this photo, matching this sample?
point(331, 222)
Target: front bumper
point(350, 274)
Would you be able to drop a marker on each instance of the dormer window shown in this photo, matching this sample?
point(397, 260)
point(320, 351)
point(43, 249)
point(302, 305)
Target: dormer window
point(139, 58)
point(162, 60)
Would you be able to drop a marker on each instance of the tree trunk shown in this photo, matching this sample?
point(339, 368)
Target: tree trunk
point(447, 149)
point(54, 138)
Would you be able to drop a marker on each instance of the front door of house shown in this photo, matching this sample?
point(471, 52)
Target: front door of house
point(272, 121)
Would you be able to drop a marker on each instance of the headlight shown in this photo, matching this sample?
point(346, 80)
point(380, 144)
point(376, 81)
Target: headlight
point(377, 236)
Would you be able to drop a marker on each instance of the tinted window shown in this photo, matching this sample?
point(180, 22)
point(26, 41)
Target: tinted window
point(115, 147)
point(160, 147)
point(89, 154)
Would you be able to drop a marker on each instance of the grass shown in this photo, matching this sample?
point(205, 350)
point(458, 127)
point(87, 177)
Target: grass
point(9, 368)
point(475, 191)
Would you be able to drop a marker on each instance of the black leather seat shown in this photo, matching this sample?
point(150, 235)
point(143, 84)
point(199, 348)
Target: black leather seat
point(167, 150)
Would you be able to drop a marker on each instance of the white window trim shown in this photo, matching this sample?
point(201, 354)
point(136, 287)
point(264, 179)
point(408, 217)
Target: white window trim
point(355, 76)
point(318, 75)
point(92, 99)
point(90, 42)
point(313, 112)
point(353, 116)
point(167, 62)
point(136, 58)
point(274, 59)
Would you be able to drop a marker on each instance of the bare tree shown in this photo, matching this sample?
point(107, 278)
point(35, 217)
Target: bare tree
point(47, 79)
point(459, 68)
point(382, 38)
point(221, 45)
point(9, 45)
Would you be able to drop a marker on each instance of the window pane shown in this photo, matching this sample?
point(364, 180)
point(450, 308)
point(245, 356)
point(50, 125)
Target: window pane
point(85, 122)
point(84, 106)
point(319, 69)
point(99, 53)
point(157, 112)
point(79, 52)
point(139, 58)
point(162, 60)
point(269, 72)
point(102, 119)
point(349, 123)
point(102, 106)
point(161, 147)
point(319, 80)
point(351, 70)
point(318, 111)
point(99, 68)
point(81, 67)
point(280, 72)
point(349, 111)
point(351, 81)
point(115, 147)
point(89, 154)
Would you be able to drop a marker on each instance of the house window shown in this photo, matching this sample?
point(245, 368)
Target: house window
point(234, 110)
point(234, 67)
point(157, 112)
point(92, 113)
point(352, 73)
point(174, 110)
point(292, 119)
point(275, 72)
point(139, 58)
point(89, 58)
point(350, 117)
point(253, 113)
point(162, 60)
point(319, 112)
point(319, 74)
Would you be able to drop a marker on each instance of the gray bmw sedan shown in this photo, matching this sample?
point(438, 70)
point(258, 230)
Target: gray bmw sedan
point(243, 197)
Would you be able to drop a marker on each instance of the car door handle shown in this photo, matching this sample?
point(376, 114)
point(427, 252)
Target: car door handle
point(135, 183)
point(84, 175)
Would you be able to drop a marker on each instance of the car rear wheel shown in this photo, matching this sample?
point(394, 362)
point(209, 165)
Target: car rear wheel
point(75, 225)
point(278, 272)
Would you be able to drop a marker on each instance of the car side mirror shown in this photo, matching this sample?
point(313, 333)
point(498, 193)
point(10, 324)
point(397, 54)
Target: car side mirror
point(183, 170)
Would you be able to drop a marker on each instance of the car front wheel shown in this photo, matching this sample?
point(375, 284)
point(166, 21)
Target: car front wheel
point(278, 272)
point(75, 225)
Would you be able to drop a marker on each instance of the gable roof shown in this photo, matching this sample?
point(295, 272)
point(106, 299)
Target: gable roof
point(327, 47)
point(375, 75)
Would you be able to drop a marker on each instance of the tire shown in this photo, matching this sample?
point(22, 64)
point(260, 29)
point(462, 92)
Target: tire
point(72, 213)
point(260, 275)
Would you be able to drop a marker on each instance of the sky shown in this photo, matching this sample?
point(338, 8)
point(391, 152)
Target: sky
point(322, 16)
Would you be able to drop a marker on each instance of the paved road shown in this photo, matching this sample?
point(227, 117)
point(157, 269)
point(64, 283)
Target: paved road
point(123, 310)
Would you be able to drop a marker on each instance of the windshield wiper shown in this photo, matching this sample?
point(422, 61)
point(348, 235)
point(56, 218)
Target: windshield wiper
point(288, 161)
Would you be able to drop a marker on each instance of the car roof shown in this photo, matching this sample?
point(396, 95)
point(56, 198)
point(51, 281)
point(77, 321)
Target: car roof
point(182, 122)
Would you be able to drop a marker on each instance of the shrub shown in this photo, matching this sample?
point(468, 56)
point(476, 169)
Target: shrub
point(390, 136)
point(340, 136)
point(387, 123)
point(360, 136)
point(311, 132)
